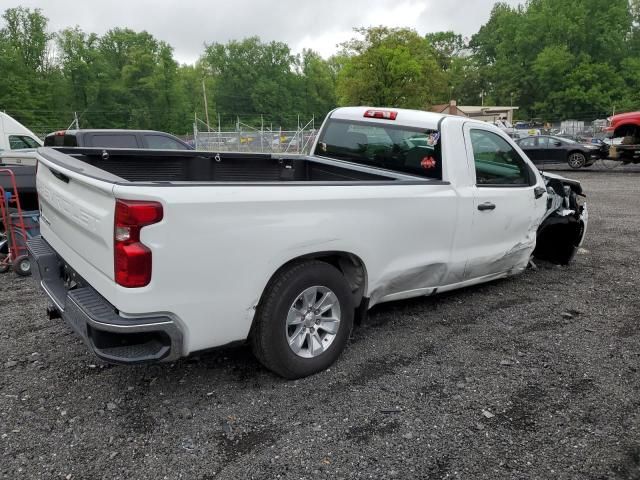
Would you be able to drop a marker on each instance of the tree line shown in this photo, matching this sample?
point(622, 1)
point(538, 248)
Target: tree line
point(554, 59)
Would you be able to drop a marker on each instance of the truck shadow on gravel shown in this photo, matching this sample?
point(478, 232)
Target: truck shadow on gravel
point(526, 404)
point(375, 427)
point(235, 446)
point(374, 369)
point(237, 364)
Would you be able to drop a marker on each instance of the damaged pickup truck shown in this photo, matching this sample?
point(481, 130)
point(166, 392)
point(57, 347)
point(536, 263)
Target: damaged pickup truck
point(153, 255)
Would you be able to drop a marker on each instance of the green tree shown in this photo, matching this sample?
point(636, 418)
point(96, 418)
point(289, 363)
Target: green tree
point(318, 84)
point(252, 78)
point(78, 55)
point(30, 83)
point(26, 33)
point(447, 46)
point(562, 58)
point(390, 67)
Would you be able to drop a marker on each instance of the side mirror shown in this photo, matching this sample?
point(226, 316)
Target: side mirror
point(557, 143)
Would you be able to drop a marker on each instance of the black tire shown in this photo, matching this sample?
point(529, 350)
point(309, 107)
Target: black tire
point(576, 160)
point(22, 266)
point(268, 336)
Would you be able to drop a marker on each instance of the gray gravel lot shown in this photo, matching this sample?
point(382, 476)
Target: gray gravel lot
point(531, 377)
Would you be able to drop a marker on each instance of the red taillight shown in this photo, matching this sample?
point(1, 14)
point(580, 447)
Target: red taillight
point(381, 114)
point(132, 259)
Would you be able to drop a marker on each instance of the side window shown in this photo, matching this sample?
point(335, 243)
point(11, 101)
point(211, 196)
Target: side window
point(113, 141)
point(31, 142)
point(392, 147)
point(160, 142)
point(543, 142)
point(19, 142)
point(528, 142)
point(496, 162)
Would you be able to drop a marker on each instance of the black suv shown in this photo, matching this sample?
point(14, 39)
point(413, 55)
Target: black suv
point(115, 139)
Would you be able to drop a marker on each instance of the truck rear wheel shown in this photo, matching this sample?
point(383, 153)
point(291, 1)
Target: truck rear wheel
point(304, 320)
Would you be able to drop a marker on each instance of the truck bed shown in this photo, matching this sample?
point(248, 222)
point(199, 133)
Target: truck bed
point(179, 166)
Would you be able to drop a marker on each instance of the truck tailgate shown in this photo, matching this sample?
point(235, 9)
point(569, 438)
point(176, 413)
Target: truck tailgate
point(77, 218)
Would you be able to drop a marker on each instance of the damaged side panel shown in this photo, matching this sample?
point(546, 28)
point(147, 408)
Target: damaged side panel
point(408, 283)
point(513, 261)
point(554, 236)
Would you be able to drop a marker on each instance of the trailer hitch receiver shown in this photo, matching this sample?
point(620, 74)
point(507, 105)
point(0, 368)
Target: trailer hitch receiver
point(53, 313)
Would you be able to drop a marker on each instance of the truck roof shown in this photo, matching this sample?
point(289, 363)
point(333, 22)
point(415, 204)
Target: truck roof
point(405, 117)
point(107, 130)
point(10, 126)
point(630, 117)
point(87, 138)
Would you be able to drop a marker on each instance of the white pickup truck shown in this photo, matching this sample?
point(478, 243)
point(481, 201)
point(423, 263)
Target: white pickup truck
point(154, 255)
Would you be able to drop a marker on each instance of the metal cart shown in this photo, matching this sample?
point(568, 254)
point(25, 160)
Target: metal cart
point(18, 225)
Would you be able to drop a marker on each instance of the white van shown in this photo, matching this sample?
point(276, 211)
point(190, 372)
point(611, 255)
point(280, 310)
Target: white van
point(15, 136)
point(18, 147)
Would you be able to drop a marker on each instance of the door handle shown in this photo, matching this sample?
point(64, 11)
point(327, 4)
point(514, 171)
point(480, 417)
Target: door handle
point(538, 192)
point(486, 206)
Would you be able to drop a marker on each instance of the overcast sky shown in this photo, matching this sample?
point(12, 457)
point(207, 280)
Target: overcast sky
point(319, 24)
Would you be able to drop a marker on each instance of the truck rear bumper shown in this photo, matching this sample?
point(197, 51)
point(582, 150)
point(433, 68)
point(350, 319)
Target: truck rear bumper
point(111, 337)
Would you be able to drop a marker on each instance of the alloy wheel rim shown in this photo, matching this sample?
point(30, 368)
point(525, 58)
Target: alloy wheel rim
point(576, 160)
point(313, 321)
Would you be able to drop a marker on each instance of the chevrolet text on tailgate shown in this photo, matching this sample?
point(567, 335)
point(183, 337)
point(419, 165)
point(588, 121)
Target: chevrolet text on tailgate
point(153, 255)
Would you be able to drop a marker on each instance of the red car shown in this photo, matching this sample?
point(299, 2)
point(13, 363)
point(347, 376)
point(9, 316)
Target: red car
point(625, 124)
point(625, 127)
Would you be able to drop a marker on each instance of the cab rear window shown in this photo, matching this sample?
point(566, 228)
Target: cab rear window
point(392, 147)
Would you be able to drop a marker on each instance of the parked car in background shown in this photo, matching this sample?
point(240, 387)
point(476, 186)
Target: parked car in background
point(544, 150)
point(528, 129)
point(101, 138)
point(23, 162)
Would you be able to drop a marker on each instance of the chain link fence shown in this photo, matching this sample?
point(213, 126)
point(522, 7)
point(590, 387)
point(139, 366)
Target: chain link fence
point(249, 139)
point(291, 141)
point(579, 129)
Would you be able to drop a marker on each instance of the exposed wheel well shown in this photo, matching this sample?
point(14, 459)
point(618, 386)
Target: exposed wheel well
point(626, 129)
point(558, 239)
point(351, 266)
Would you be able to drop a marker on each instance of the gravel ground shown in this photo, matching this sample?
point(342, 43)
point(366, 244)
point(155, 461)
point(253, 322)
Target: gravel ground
point(598, 167)
point(531, 377)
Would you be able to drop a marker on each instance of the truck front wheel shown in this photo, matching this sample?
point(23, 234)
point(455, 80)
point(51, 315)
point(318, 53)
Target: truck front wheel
point(304, 319)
